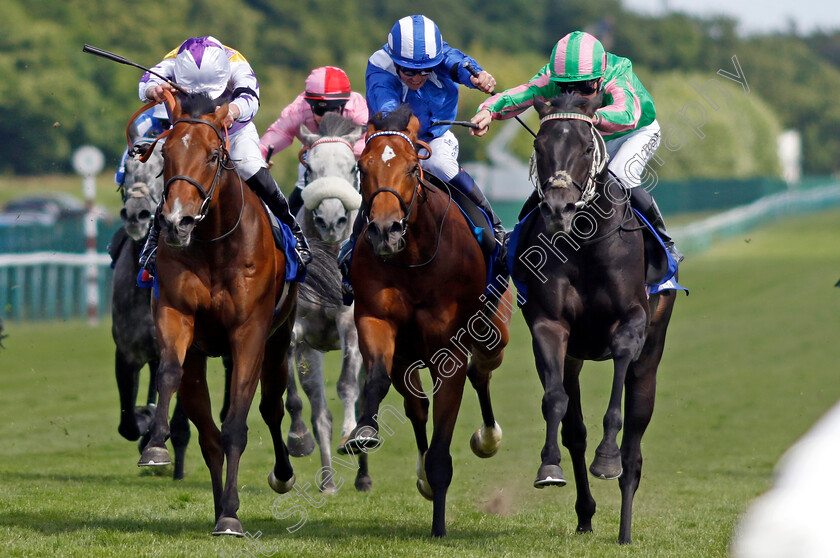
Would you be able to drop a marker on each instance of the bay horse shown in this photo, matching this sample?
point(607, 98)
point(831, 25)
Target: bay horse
point(222, 290)
point(330, 204)
point(133, 328)
point(419, 277)
point(582, 264)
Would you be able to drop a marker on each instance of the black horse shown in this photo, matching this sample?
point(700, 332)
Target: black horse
point(580, 259)
point(133, 329)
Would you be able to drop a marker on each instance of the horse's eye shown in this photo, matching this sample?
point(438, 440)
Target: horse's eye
point(590, 148)
point(214, 156)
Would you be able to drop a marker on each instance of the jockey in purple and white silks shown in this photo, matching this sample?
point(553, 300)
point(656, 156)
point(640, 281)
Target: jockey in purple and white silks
point(417, 67)
point(205, 65)
point(626, 120)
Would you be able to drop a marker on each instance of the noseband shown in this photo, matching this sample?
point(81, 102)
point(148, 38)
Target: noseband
point(221, 161)
point(406, 208)
point(599, 162)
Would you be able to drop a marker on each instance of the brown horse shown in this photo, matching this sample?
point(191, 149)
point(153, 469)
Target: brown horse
point(222, 291)
point(582, 264)
point(419, 280)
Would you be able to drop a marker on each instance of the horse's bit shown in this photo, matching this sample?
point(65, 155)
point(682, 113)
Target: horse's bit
point(599, 161)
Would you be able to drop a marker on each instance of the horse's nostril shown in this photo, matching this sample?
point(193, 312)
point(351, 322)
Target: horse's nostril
point(569, 208)
point(144, 214)
point(186, 222)
point(395, 228)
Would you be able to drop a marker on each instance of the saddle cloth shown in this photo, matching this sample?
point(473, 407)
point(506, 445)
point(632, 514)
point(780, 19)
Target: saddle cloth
point(660, 267)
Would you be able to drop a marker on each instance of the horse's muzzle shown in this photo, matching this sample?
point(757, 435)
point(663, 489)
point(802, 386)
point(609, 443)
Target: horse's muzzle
point(179, 234)
point(557, 214)
point(387, 239)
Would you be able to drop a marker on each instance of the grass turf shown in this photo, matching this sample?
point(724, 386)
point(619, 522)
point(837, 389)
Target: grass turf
point(750, 364)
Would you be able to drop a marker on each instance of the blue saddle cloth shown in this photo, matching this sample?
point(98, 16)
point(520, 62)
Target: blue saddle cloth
point(496, 281)
point(658, 278)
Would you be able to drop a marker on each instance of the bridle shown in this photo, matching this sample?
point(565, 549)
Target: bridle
point(409, 208)
point(599, 162)
point(222, 164)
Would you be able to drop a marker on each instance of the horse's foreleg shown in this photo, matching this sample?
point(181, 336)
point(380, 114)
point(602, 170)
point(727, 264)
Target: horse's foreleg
point(312, 382)
point(348, 381)
point(128, 378)
point(550, 339)
point(194, 397)
point(180, 426)
point(376, 341)
point(626, 345)
point(447, 402)
point(640, 393)
point(300, 442)
point(276, 373)
point(416, 404)
point(573, 433)
point(175, 334)
point(247, 348)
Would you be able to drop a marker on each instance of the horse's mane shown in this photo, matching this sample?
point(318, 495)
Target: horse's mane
point(396, 120)
point(198, 104)
point(323, 280)
point(569, 102)
point(336, 125)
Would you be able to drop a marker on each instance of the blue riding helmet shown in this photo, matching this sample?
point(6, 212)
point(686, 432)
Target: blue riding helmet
point(415, 42)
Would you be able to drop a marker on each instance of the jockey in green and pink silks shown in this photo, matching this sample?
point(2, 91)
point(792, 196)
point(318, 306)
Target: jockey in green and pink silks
point(626, 120)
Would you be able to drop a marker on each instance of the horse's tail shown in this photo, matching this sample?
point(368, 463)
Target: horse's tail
point(323, 279)
point(3, 335)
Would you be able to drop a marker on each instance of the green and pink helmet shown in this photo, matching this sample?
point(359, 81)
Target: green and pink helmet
point(577, 57)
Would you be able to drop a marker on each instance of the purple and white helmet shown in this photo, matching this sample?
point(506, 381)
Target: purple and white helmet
point(202, 66)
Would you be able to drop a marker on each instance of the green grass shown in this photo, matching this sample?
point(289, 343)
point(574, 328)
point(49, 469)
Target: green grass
point(750, 364)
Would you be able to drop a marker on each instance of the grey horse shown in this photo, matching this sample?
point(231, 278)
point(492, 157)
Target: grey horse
point(330, 204)
point(133, 329)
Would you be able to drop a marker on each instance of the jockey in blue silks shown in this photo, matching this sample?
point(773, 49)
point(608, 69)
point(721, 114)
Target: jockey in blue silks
point(416, 66)
point(143, 131)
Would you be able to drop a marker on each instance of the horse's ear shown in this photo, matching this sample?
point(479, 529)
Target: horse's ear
point(306, 135)
point(220, 114)
point(177, 112)
point(413, 128)
point(371, 129)
point(355, 135)
point(541, 106)
point(594, 103)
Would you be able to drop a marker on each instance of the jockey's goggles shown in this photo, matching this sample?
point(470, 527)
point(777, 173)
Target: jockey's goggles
point(321, 107)
point(411, 72)
point(582, 87)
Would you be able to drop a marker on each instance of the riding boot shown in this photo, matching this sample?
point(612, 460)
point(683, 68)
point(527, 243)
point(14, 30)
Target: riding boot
point(465, 183)
point(148, 255)
point(641, 200)
point(345, 257)
point(266, 188)
point(295, 201)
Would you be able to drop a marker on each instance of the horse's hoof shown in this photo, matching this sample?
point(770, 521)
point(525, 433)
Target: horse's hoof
point(485, 442)
point(300, 446)
point(363, 483)
point(154, 456)
point(606, 467)
point(359, 444)
point(550, 475)
point(424, 489)
point(228, 526)
point(281, 487)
